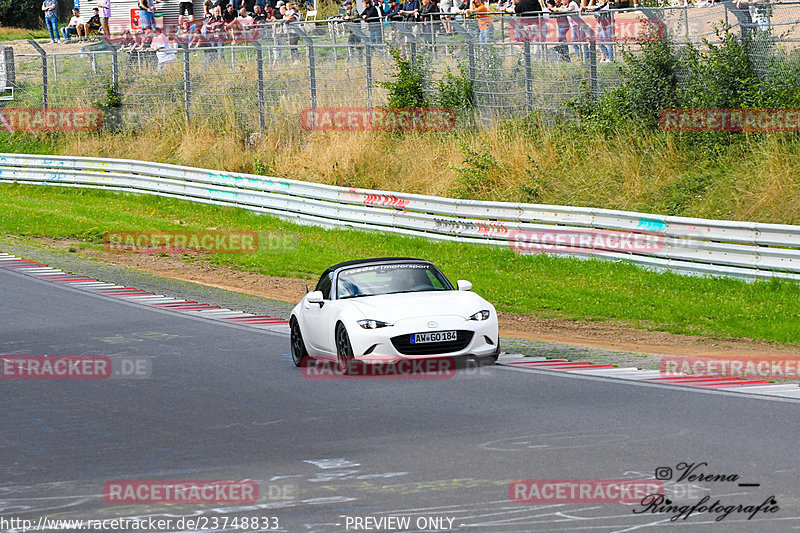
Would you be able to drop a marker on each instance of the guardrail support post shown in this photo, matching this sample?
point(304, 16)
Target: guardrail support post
point(593, 68)
point(262, 119)
point(187, 83)
point(468, 38)
point(356, 30)
point(528, 76)
point(312, 70)
point(8, 56)
point(44, 70)
point(114, 63)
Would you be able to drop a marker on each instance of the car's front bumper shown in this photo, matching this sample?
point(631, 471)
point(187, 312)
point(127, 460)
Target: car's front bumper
point(376, 345)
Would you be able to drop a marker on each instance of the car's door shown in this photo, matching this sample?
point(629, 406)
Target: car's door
point(316, 319)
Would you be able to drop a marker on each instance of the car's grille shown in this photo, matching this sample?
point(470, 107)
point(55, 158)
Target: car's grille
point(402, 344)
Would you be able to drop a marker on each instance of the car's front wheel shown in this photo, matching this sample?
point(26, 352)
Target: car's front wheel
point(344, 350)
point(299, 352)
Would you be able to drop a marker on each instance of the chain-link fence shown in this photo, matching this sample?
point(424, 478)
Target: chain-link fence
point(516, 65)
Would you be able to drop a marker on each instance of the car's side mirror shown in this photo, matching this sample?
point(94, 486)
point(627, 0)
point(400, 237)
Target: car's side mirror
point(315, 297)
point(464, 285)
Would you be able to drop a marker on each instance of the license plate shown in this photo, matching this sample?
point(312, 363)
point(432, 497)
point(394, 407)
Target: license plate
point(434, 336)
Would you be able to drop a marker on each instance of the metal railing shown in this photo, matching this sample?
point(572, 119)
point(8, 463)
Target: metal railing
point(688, 245)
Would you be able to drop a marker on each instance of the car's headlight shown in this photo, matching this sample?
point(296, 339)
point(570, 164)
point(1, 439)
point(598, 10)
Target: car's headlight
point(372, 324)
point(481, 315)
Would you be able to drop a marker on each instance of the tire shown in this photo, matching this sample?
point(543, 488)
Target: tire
point(344, 350)
point(299, 352)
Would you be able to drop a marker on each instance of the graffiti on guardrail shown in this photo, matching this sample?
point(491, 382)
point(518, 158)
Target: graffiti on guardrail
point(486, 229)
point(381, 200)
point(651, 224)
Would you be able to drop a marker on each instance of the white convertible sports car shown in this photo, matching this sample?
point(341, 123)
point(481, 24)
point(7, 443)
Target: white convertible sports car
point(389, 309)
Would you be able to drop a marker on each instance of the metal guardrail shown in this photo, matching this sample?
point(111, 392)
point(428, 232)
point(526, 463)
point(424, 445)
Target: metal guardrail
point(688, 245)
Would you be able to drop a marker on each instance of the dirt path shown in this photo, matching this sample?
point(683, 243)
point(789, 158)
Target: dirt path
point(605, 335)
point(23, 46)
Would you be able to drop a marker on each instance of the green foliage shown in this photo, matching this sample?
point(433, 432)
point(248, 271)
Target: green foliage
point(262, 168)
point(408, 89)
point(455, 91)
point(479, 176)
point(28, 13)
point(720, 76)
point(111, 105)
point(535, 184)
point(677, 197)
point(649, 84)
point(738, 72)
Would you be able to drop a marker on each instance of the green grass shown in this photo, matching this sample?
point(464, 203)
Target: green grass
point(14, 34)
point(547, 286)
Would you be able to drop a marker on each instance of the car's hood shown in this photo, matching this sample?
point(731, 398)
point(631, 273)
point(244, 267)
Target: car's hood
point(394, 307)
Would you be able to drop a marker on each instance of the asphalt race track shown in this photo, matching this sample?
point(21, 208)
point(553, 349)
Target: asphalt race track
point(223, 402)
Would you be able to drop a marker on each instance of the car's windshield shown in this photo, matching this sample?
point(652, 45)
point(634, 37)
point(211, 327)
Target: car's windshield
point(389, 279)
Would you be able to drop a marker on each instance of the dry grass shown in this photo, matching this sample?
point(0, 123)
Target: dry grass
point(632, 171)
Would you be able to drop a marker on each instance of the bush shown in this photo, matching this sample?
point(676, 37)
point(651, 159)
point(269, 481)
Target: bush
point(455, 91)
point(736, 73)
point(408, 90)
point(28, 13)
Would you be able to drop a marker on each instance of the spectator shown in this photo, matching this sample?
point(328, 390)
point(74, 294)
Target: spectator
point(446, 7)
point(127, 42)
point(290, 16)
point(394, 11)
point(76, 26)
point(428, 14)
point(105, 14)
point(185, 11)
point(165, 51)
point(246, 24)
point(529, 8)
point(208, 6)
point(410, 10)
point(372, 16)
point(349, 13)
point(259, 17)
point(562, 29)
point(575, 24)
point(188, 35)
point(147, 18)
point(94, 25)
point(229, 16)
point(485, 28)
point(50, 8)
point(605, 35)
